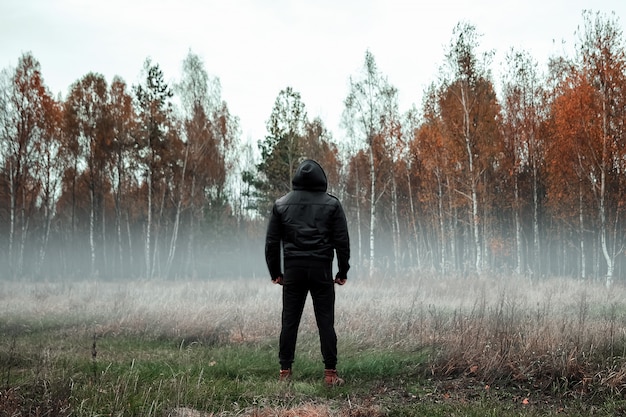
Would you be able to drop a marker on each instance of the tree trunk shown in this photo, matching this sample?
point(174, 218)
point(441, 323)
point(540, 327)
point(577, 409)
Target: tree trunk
point(519, 269)
point(118, 217)
point(454, 255)
point(191, 259)
point(149, 228)
point(358, 218)
point(24, 221)
point(395, 225)
point(12, 215)
point(608, 258)
point(581, 225)
point(173, 241)
point(442, 228)
point(92, 246)
point(414, 220)
point(474, 218)
point(131, 258)
point(372, 207)
point(537, 264)
point(156, 265)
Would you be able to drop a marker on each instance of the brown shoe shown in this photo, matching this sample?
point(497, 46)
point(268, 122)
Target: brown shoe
point(285, 375)
point(331, 379)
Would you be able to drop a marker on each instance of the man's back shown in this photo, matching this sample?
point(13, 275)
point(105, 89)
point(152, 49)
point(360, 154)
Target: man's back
point(309, 222)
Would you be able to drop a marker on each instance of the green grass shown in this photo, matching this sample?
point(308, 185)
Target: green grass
point(50, 368)
point(212, 349)
point(144, 376)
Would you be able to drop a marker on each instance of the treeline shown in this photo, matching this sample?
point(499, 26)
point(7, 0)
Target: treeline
point(522, 175)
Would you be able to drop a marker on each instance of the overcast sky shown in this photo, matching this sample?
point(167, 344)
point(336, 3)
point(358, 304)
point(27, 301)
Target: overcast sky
point(259, 47)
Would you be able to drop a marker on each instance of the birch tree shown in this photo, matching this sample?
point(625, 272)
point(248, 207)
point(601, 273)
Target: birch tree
point(210, 134)
point(589, 117)
point(49, 170)
point(568, 163)
point(122, 168)
point(523, 105)
point(21, 124)
point(604, 61)
point(434, 160)
point(469, 112)
point(88, 123)
point(154, 110)
point(369, 95)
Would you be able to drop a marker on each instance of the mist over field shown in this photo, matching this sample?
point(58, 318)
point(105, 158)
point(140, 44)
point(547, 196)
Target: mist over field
point(212, 254)
point(377, 311)
point(211, 344)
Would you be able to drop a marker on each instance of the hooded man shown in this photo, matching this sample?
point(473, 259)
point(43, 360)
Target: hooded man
point(310, 226)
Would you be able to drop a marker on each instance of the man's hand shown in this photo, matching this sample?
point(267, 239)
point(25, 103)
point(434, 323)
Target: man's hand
point(340, 280)
point(278, 280)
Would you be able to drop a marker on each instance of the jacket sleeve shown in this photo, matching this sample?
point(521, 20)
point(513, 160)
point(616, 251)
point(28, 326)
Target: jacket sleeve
point(273, 243)
point(341, 241)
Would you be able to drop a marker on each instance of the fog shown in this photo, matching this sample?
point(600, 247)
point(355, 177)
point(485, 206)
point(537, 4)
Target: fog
point(231, 251)
point(198, 257)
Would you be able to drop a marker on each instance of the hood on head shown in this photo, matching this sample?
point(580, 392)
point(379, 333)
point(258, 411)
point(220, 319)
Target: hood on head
point(310, 176)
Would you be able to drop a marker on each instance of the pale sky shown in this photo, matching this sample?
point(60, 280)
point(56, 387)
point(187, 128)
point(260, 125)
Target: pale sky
point(259, 47)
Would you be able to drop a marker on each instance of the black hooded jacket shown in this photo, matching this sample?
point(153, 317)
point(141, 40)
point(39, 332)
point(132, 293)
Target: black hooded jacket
point(310, 224)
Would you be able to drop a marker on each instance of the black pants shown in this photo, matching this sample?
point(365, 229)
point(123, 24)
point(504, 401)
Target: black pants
point(298, 282)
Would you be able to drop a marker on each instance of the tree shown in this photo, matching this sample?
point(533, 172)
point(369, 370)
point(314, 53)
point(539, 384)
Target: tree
point(390, 154)
point(154, 111)
point(567, 163)
point(604, 62)
point(22, 121)
point(48, 153)
point(88, 124)
point(369, 96)
point(433, 170)
point(414, 174)
point(470, 113)
point(588, 119)
point(210, 132)
point(124, 161)
point(317, 145)
point(281, 150)
point(524, 112)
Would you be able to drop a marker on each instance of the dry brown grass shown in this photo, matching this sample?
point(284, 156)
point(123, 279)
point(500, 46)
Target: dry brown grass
point(498, 330)
point(304, 410)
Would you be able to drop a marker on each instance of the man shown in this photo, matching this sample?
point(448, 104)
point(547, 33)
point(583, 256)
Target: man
point(310, 225)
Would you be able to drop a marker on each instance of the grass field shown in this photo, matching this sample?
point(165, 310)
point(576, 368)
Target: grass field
point(426, 346)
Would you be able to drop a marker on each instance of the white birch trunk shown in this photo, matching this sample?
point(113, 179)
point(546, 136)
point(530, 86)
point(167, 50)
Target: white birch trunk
point(156, 265)
point(92, 246)
point(131, 258)
point(358, 218)
point(173, 241)
point(472, 179)
point(518, 229)
point(13, 216)
point(396, 225)
point(149, 228)
point(452, 226)
point(581, 220)
point(414, 221)
point(442, 226)
point(608, 258)
point(536, 240)
point(372, 207)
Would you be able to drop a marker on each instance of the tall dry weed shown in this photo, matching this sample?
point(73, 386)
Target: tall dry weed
point(497, 329)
